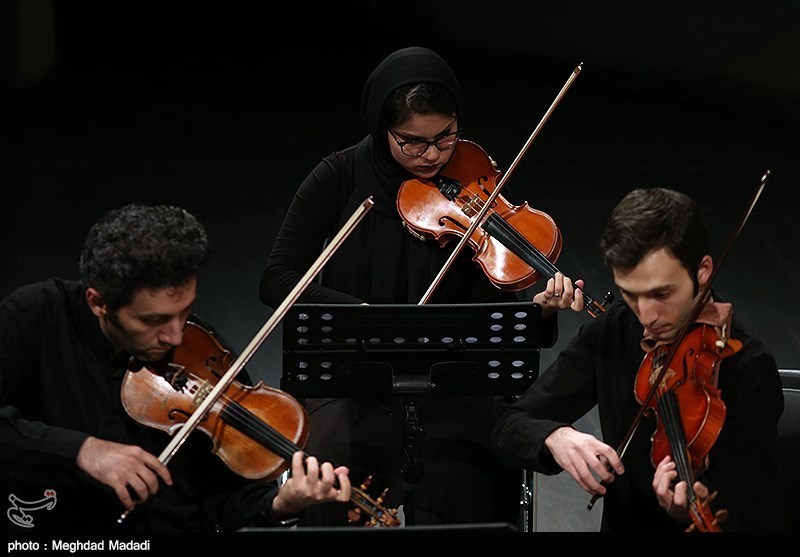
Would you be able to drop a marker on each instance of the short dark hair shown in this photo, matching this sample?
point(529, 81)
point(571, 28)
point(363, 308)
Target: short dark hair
point(140, 246)
point(428, 97)
point(650, 218)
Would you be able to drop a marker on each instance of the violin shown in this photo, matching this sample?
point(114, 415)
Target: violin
point(677, 384)
point(442, 208)
point(515, 245)
point(255, 430)
point(690, 386)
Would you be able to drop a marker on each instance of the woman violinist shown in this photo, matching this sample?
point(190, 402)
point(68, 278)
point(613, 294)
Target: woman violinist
point(656, 244)
point(412, 106)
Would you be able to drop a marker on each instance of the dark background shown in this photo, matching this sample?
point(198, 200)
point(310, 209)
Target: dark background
point(224, 107)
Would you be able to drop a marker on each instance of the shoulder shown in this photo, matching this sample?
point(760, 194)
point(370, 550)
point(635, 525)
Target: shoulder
point(39, 309)
point(753, 368)
point(753, 353)
point(617, 317)
point(331, 177)
point(338, 161)
point(47, 292)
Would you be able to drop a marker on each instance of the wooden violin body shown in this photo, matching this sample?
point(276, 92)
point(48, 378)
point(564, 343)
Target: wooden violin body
point(688, 407)
point(692, 380)
point(514, 245)
point(442, 209)
point(248, 425)
point(255, 430)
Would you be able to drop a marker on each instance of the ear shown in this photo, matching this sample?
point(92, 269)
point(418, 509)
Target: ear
point(96, 303)
point(705, 270)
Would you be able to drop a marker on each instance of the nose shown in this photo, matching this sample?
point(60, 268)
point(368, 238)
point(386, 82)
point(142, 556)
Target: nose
point(647, 310)
point(431, 154)
point(172, 332)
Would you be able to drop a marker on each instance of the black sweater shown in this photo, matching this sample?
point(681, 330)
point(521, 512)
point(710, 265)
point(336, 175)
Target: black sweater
point(59, 383)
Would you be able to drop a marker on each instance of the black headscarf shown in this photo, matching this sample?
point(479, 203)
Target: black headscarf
point(381, 262)
point(403, 67)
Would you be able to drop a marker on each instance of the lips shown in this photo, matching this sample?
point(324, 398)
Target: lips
point(660, 332)
point(429, 169)
point(156, 354)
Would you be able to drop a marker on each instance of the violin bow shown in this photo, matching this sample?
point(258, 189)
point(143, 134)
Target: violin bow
point(490, 200)
point(224, 382)
point(701, 302)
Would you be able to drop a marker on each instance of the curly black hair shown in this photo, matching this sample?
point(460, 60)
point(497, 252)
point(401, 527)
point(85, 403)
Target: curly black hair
point(140, 246)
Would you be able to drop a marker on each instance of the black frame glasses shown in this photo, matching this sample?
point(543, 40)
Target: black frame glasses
point(425, 144)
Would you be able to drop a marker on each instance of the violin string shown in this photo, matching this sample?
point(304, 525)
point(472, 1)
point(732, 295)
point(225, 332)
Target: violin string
point(670, 415)
point(540, 263)
point(668, 404)
point(260, 431)
point(257, 429)
point(545, 265)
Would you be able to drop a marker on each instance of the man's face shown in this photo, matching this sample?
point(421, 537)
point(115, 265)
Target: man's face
point(152, 323)
point(660, 292)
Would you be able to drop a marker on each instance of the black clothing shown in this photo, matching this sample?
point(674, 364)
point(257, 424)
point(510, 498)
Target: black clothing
point(366, 435)
point(599, 367)
point(60, 383)
point(382, 263)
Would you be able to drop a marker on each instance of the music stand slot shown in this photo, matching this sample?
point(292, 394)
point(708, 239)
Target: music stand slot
point(349, 350)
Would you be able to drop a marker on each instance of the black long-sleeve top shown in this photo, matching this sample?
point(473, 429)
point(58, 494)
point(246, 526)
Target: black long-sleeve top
point(379, 263)
point(60, 383)
point(599, 367)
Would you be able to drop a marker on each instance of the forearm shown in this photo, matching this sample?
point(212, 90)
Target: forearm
point(27, 444)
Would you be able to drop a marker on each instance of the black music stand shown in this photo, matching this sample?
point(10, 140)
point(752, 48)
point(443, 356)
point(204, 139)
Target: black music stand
point(410, 351)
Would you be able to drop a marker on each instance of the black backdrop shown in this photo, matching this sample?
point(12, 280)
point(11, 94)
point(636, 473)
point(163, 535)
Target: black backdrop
point(223, 108)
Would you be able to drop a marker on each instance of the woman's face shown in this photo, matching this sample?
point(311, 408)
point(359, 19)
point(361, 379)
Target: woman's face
point(414, 133)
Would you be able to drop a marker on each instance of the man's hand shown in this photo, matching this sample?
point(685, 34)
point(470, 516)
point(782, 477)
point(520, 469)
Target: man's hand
point(126, 469)
point(672, 496)
point(584, 457)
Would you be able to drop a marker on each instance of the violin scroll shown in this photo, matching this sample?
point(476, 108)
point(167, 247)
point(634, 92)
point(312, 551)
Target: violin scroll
point(370, 512)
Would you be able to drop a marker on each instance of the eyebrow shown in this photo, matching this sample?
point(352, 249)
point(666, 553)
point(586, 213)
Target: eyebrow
point(652, 292)
point(445, 131)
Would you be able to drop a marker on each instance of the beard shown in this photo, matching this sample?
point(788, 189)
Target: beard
point(121, 338)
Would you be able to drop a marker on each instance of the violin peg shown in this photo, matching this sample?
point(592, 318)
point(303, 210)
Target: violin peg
point(354, 515)
point(720, 344)
point(366, 483)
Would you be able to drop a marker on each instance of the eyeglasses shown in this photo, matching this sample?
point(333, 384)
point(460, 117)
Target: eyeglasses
point(417, 147)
